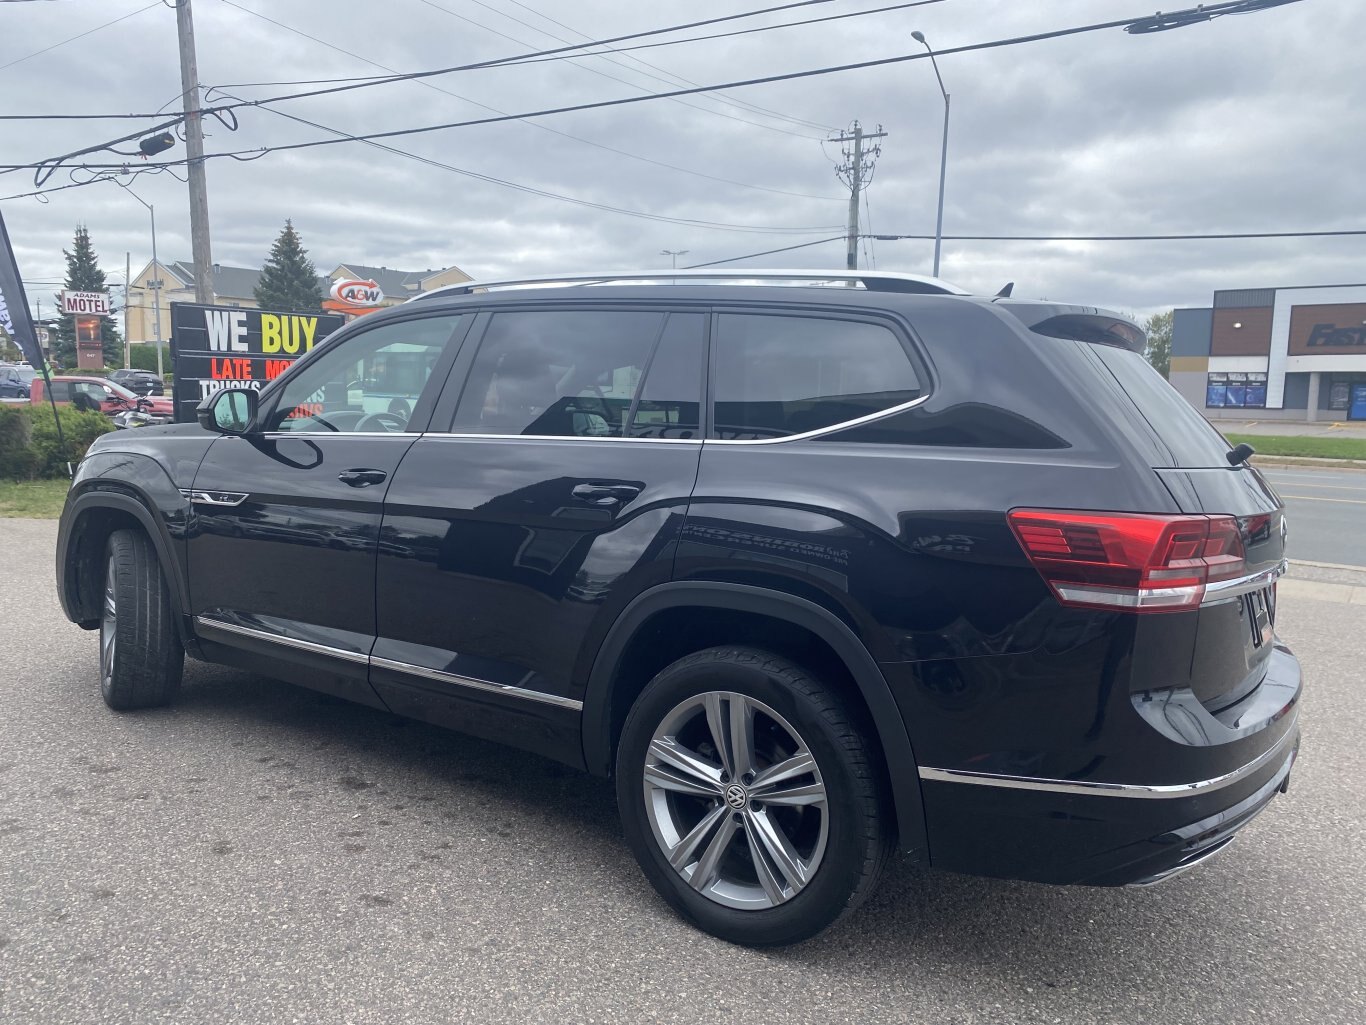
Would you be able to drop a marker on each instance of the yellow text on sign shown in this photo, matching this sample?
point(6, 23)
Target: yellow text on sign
point(290, 333)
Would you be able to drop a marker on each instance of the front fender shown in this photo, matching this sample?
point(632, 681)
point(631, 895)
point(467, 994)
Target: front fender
point(134, 486)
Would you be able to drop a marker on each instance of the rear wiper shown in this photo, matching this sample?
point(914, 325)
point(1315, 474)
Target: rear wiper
point(1239, 455)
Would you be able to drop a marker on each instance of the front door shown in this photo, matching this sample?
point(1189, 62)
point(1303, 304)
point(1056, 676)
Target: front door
point(554, 495)
point(285, 522)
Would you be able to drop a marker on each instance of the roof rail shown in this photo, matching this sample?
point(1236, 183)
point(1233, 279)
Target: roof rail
point(874, 281)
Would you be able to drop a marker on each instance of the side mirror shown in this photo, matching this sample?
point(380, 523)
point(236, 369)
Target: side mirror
point(228, 411)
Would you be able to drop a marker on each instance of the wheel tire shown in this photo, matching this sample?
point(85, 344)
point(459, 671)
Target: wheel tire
point(141, 656)
point(857, 837)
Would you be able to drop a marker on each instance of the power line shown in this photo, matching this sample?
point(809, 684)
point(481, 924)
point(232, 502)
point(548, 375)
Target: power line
point(49, 49)
point(1193, 237)
point(544, 128)
point(743, 104)
point(644, 215)
point(671, 80)
point(540, 54)
point(1215, 10)
point(1207, 237)
point(766, 252)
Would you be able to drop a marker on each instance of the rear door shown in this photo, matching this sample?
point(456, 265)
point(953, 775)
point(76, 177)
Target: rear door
point(554, 492)
point(1233, 643)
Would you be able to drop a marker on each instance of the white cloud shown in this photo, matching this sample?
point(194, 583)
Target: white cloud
point(1246, 123)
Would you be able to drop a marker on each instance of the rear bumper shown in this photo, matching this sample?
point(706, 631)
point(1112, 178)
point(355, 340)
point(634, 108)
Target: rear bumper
point(1128, 788)
point(1046, 831)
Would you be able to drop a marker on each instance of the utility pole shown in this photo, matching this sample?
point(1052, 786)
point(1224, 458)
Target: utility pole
point(857, 173)
point(194, 151)
point(127, 285)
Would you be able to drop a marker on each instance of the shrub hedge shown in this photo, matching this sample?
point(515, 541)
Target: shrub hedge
point(28, 440)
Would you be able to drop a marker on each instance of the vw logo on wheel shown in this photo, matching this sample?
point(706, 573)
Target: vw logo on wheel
point(736, 796)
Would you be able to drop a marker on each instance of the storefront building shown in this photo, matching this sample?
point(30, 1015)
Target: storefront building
point(1274, 354)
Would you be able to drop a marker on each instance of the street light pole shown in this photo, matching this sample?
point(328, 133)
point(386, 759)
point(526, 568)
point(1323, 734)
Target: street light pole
point(674, 254)
point(943, 152)
point(155, 283)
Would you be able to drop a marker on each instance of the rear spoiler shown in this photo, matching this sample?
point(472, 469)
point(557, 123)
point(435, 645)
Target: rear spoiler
point(1081, 323)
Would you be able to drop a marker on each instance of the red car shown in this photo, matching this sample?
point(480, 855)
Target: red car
point(97, 394)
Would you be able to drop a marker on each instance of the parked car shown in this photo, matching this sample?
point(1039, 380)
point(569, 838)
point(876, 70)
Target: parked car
point(143, 382)
point(815, 573)
point(15, 380)
point(99, 395)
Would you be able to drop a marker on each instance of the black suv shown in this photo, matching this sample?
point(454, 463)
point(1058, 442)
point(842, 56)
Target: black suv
point(141, 382)
point(816, 572)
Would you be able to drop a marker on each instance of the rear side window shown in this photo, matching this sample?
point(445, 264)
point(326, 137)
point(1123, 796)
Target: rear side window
point(582, 374)
point(1186, 434)
point(779, 375)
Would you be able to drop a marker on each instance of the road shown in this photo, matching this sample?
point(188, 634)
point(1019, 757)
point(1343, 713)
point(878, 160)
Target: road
point(259, 853)
point(1326, 510)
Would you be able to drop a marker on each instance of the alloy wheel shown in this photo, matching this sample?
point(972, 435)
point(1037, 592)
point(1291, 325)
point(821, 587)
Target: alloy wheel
point(736, 801)
point(108, 622)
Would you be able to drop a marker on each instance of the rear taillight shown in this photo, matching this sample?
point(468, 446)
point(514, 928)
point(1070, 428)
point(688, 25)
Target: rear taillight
point(1131, 562)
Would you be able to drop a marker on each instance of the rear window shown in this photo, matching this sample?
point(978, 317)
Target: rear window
point(781, 375)
point(1187, 434)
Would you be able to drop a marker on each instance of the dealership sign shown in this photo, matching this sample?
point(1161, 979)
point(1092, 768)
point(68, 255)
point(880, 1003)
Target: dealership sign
point(85, 304)
point(215, 347)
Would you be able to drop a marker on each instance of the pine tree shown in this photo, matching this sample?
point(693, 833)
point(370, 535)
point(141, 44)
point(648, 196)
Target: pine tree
point(288, 280)
point(83, 274)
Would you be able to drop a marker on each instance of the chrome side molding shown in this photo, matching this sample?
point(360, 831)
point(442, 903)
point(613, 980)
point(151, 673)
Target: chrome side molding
point(1084, 788)
point(453, 679)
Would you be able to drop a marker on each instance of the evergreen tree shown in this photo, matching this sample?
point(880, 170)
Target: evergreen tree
point(83, 274)
point(288, 280)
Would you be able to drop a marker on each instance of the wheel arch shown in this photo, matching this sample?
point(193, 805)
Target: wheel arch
point(87, 522)
point(612, 687)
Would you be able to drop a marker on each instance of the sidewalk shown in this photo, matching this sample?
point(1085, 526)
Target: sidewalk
point(1284, 429)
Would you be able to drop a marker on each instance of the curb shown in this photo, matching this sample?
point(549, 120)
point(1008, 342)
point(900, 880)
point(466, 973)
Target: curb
point(1349, 464)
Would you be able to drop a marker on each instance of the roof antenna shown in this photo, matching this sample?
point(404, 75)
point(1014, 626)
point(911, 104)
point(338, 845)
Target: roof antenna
point(1005, 292)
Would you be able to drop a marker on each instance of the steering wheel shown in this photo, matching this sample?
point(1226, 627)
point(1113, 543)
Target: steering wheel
point(391, 423)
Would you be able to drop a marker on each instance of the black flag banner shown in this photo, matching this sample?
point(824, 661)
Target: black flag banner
point(14, 316)
point(18, 324)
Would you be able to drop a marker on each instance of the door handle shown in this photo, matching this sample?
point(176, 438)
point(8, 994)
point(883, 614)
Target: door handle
point(362, 478)
point(605, 494)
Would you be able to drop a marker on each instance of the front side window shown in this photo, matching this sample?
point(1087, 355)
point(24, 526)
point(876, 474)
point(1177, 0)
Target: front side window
point(776, 376)
point(579, 374)
point(368, 383)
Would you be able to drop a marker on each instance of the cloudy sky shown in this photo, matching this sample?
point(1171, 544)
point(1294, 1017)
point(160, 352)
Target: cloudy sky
point(1246, 124)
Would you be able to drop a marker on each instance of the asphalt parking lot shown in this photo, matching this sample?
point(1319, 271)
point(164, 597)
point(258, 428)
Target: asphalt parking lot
point(260, 853)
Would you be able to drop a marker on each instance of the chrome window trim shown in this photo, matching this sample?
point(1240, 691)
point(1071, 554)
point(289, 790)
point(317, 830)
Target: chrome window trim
point(456, 436)
point(1134, 790)
point(475, 684)
point(341, 434)
point(289, 642)
point(818, 432)
point(1223, 590)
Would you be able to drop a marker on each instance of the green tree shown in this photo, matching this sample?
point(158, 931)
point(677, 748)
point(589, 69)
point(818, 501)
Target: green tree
point(83, 274)
point(288, 280)
point(1159, 348)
